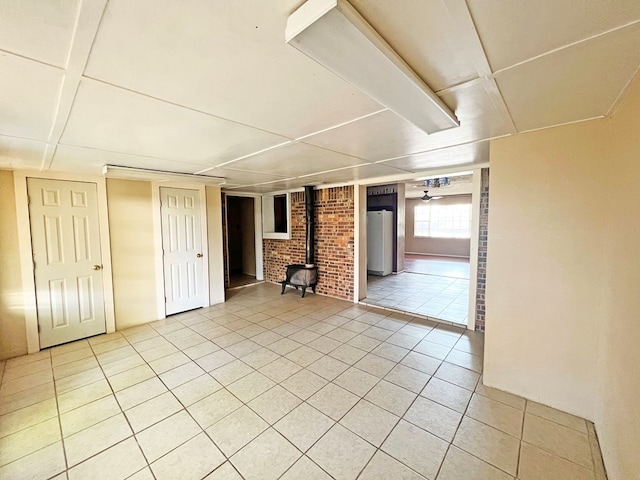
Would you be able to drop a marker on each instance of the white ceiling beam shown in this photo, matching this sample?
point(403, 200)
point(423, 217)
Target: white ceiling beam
point(85, 31)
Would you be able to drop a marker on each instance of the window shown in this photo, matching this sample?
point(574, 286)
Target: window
point(276, 210)
point(442, 220)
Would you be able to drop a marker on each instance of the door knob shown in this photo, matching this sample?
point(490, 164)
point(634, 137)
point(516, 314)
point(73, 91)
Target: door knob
point(97, 267)
point(199, 255)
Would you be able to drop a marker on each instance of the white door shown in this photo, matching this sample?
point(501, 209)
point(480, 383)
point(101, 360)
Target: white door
point(182, 249)
point(67, 261)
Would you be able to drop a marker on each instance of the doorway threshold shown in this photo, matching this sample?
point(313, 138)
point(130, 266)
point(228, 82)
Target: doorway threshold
point(412, 314)
point(238, 287)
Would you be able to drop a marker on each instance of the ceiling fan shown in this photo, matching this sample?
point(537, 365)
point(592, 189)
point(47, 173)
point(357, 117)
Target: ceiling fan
point(427, 198)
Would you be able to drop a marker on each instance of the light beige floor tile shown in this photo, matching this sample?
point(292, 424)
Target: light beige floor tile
point(304, 384)
point(166, 435)
point(266, 457)
point(72, 356)
point(504, 397)
point(28, 416)
point(139, 393)
point(116, 463)
point(182, 374)
point(328, 367)
point(92, 440)
point(240, 349)
point(558, 439)
point(410, 444)
point(152, 411)
point(43, 463)
point(305, 469)
point(106, 338)
point(214, 407)
point(16, 401)
point(304, 336)
point(24, 359)
point(348, 354)
point(391, 397)
point(266, 338)
point(375, 365)
point(150, 344)
point(440, 338)
point(88, 415)
point(29, 440)
point(536, 464)
point(458, 465)
point(356, 381)
point(25, 383)
point(157, 352)
point(26, 369)
point(404, 341)
point(215, 360)
point(231, 372)
point(355, 326)
point(228, 339)
point(341, 334)
point(488, 444)
point(78, 380)
point(383, 466)
point(304, 356)
point(434, 418)
point(144, 474)
point(274, 404)
point(557, 416)
point(260, 358)
point(496, 414)
point(117, 354)
point(409, 378)
point(303, 426)
point(284, 346)
point(417, 331)
point(341, 453)
point(249, 387)
point(370, 422)
point(365, 342)
point(201, 349)
point(421, 362)
point(169, 362)
point(280, 369)
point(324, 344)
point(190, 392)
point(447, 394)
point(432, 349)
point(236, 430)
point(68, 347)
point(224, 472)
point(120, 381)
point(457, 375)
point(122, 365)
point(465, 360)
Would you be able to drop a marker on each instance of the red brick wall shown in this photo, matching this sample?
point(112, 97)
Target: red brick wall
point(334, 242)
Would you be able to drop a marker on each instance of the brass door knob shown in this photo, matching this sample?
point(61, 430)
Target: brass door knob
point(199, 255)
point(97, 267)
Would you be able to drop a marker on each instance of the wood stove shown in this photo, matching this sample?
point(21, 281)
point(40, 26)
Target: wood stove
point(305, 276)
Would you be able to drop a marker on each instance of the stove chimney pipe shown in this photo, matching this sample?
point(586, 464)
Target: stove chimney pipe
point(311, 224)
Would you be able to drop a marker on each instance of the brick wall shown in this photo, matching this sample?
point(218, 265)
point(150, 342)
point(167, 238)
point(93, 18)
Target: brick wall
point(334, 242)
point(482, 249)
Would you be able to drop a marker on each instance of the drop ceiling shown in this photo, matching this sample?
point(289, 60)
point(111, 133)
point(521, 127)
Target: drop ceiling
point(211, 87)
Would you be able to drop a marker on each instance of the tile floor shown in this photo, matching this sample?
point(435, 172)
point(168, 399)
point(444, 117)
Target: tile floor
point(437, 297)
point(268, 386)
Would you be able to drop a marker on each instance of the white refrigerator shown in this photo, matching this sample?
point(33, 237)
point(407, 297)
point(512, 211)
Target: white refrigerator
point(380, 242)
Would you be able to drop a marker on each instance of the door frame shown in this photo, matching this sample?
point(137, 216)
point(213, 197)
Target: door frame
point(157, 235)
point(257, 219)
point(26, 249)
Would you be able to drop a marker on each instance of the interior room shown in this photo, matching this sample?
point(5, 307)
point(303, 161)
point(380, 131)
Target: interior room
point(155, 155)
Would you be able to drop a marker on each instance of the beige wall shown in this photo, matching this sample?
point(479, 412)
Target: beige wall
point(456, 247)
point(13, 336)
point(563, 275)
point(214, 236)
point(132, 251)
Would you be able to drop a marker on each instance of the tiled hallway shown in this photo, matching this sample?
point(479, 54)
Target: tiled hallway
point(268, 386)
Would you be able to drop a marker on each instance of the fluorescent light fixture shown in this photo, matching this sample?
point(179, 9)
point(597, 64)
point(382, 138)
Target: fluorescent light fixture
point(132, 173)
point(335, 35)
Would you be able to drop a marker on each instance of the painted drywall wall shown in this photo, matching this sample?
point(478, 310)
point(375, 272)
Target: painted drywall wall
point(13, 335)
point(563, 275)
point(132, 251)
point(214, 237)
point(618, 411)
point(456, 247)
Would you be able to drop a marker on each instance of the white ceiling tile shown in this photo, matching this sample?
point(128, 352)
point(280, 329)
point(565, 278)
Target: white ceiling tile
point(420, 32)
point(514, 31)
point(273, 186)
point(385, 135)
point(89, 160)
point(357, 173)
point(236, 177)
point(110, 118)
point(226, 58)
point(28, 97)
point(294, 160)
point(452, 156)
point(572, 84)
point(20, 153)
point(40, 30)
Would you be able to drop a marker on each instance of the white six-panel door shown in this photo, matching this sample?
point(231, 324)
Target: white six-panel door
point(65, 238)
point(182, 249)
